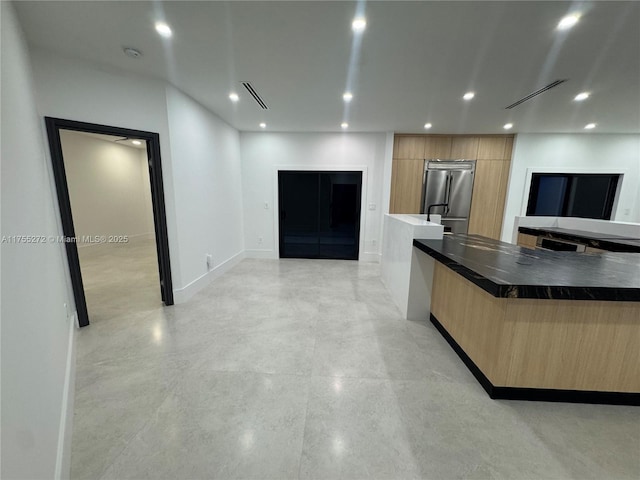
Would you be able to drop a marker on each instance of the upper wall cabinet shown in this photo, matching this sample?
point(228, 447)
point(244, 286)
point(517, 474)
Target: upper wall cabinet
point(495, 148)
point(493, 153)
point(437, 146)
point(464, 147)
point(409, 147)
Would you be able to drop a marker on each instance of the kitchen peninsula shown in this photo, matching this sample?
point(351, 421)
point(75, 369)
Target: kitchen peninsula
point(539, 325)
point(407, 273)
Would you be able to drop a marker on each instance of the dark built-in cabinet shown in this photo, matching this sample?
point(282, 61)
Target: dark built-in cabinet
point(319, 214)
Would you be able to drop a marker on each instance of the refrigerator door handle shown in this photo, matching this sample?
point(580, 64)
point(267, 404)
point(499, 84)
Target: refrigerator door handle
point(447, 195)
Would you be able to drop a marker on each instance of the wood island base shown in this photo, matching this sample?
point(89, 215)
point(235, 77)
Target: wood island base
point(585, 351)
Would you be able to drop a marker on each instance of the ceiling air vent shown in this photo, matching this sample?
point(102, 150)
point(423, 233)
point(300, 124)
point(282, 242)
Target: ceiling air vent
point(255, 95)
point(536, 93)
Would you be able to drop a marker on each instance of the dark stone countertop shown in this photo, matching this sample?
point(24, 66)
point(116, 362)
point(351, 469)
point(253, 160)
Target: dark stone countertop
point(506, 270)
point(613, 243)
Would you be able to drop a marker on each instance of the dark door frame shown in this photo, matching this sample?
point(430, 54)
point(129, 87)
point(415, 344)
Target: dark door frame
point(54, 125)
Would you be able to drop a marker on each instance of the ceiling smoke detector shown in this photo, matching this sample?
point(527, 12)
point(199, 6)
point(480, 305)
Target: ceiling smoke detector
point(132, 52)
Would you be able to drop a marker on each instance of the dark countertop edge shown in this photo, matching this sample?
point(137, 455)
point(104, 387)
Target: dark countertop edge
point(612, 245)
point(540, 292)
point(487, 285)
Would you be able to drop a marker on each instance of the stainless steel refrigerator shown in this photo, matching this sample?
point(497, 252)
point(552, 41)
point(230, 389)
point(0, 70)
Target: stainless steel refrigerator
point(447, 188)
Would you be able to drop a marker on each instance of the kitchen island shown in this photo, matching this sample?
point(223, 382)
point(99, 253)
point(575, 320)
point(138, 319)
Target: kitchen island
point(591, 240)
point(406, 273)
point(539, 325)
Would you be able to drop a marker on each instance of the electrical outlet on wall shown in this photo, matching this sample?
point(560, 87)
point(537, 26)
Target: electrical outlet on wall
point(209, 261)
point(259, 240)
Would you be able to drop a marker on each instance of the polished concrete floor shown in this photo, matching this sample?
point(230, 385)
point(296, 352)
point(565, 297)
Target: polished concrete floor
point(304, 369)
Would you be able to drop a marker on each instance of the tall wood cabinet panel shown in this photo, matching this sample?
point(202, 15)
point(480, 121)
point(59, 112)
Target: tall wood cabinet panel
point(409, 146)
point(487, 201)
point(407, 186)
point(492, 148)
point(464, 147)
point(508, 148)
point(437, 147)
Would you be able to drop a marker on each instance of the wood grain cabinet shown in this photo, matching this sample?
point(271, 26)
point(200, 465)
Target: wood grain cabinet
point(487, 200)
point(493, 155)
point(528, 241)
point(406, 191)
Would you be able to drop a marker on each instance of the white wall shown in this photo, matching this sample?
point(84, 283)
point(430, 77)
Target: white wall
point(200, 155)
point(208, 190)
point(108, 187)
point(74, 90)
point(574, 153)
point(37, 334)
point(264, 153)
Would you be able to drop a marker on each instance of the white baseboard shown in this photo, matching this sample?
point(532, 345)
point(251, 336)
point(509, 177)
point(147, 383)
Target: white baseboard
point(370, 257)
point(65, 431)
point(181, 295)
point(266, 254)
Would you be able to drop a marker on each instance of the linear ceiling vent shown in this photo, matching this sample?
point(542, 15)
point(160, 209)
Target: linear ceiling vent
point(255, 95)
point(536, 93)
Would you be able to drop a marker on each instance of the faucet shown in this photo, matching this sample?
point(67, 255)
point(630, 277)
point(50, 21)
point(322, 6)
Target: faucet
point(446, 205)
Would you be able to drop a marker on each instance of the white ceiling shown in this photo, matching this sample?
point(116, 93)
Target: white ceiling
point(413, 63)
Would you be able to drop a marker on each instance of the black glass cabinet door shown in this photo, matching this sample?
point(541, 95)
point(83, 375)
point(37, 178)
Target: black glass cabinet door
point(319, 214)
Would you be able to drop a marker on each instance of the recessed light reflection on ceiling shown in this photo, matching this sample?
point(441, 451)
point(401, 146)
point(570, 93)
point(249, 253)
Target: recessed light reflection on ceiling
point(347, 96)
point(263, 125)
point(359, 24)
point(344, 125)
point(136, 142)
point(568, 21)
point(590, 126)
point(581, 96)
point(468, 95)
point(163, 29)
point(508, 126)
point(427, 126)
point(233, 96)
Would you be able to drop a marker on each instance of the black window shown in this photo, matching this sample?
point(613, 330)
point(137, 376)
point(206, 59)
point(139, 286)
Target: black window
point(572, 195)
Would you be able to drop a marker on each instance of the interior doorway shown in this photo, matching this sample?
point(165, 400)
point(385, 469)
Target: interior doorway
point(110, 192)
point(319, 214)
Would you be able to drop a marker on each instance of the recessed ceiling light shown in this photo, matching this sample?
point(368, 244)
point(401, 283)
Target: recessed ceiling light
point(136, 142)
point(468, 95)
point(344, 125)
point(427, 126)
point(568, 21)
point(163, 29)
point(590, 126)
point(263, 125)
point(233, 96)
point(508, 126)
point(359, 24)
point(347, 96)
point(581, 96)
